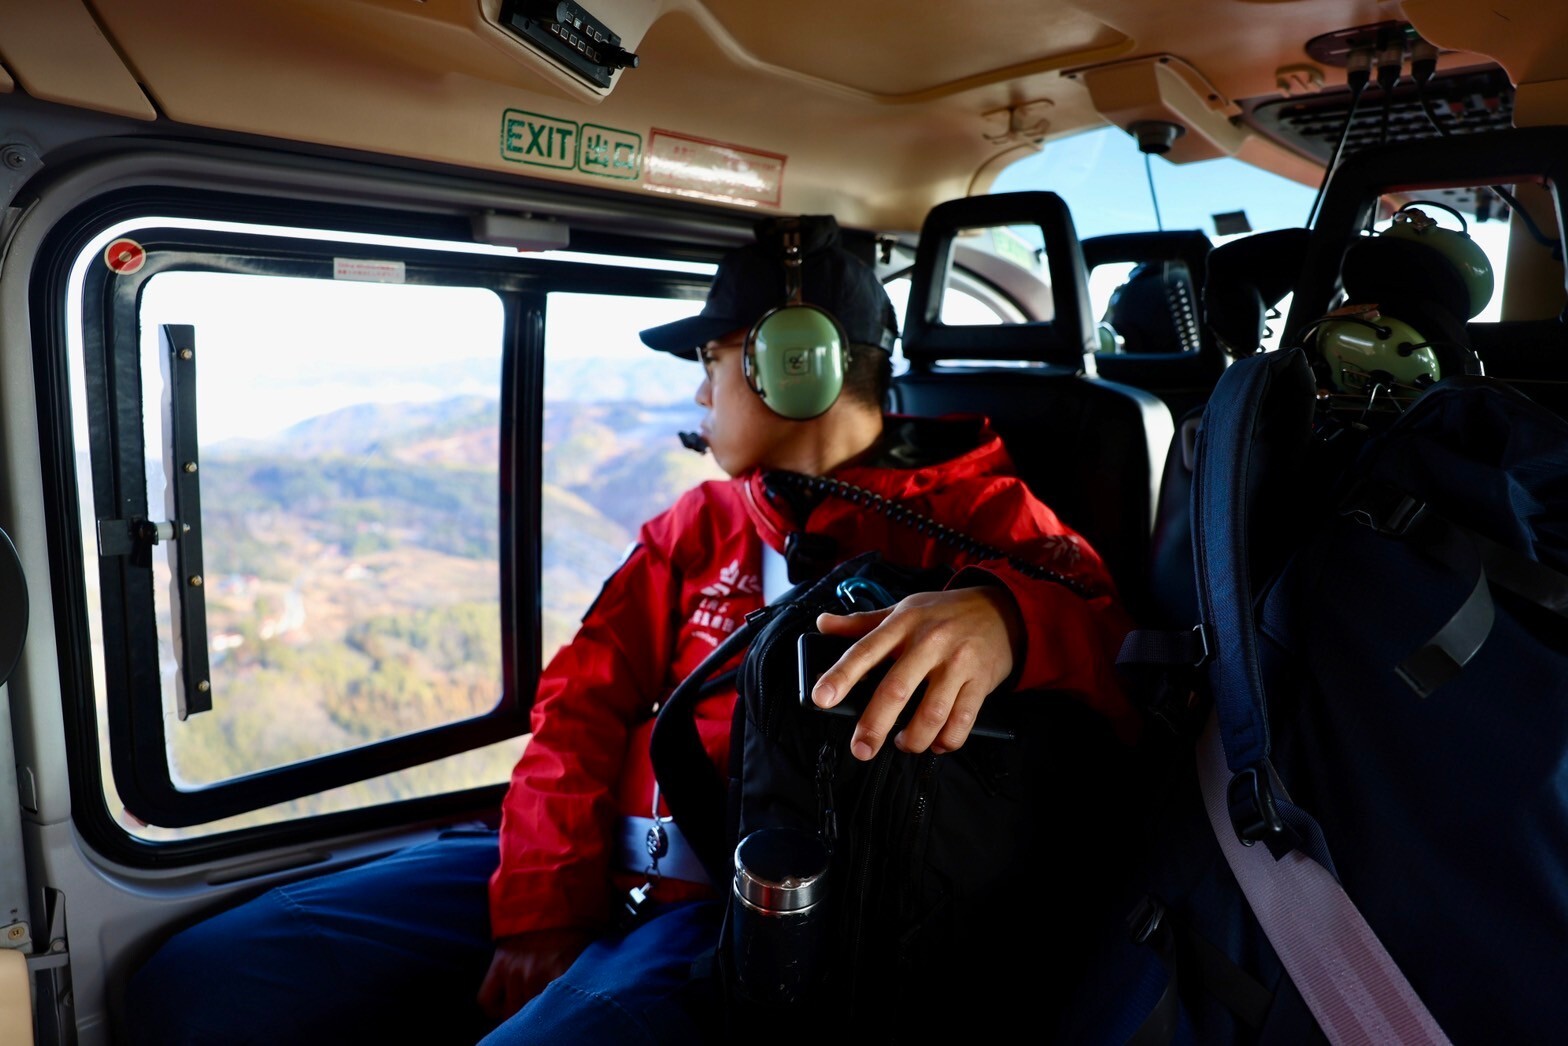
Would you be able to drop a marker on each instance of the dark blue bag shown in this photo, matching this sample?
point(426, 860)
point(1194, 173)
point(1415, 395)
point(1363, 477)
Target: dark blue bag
point(1387, 616)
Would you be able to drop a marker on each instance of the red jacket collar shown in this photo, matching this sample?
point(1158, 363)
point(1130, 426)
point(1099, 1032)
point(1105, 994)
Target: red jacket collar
point(774, 519)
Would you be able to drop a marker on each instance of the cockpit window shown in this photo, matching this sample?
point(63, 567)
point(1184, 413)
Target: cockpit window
point(1107, 185)
point(1101, 174)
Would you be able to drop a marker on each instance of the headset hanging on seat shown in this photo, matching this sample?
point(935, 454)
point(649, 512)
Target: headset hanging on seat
point(1411, 290)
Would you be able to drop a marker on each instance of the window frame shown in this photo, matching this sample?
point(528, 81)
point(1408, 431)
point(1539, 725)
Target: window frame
point(137, 743)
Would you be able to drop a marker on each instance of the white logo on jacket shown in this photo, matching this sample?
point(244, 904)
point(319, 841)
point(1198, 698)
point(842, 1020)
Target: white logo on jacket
point(713, 620)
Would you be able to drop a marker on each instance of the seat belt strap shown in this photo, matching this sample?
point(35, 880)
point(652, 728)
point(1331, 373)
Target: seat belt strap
point(1344, 974)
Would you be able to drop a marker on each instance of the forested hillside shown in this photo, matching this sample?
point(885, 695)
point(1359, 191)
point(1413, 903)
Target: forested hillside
point(354, 571)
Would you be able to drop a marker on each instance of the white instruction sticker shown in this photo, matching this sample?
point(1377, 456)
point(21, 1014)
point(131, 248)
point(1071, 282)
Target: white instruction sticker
point(709, 170)
point(367, 271)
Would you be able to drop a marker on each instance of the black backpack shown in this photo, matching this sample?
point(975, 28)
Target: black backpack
point(961, 886)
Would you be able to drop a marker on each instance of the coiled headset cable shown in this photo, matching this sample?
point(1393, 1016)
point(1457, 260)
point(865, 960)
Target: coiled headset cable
point(859, 496)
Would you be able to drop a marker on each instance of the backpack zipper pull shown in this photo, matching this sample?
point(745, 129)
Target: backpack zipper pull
point(827, 811)
point(761, 615)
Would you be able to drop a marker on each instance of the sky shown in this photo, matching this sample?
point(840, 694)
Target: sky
point(283, 349)
point(257, 337)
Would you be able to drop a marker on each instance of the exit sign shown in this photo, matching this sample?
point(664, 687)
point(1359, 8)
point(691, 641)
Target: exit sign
point(544, 141)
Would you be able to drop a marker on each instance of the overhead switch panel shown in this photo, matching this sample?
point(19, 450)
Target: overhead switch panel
point(569, 34)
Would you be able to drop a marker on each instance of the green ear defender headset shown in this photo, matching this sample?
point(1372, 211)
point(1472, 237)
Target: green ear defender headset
point(796, 355)
point(1363, 347)
point(1366, 348)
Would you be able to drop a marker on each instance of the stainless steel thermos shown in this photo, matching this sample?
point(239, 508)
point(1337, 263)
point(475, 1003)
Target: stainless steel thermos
point(779, 933)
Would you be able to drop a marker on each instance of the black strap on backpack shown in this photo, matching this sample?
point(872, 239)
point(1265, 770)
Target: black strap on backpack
point(1393, 512)
point(692, 787)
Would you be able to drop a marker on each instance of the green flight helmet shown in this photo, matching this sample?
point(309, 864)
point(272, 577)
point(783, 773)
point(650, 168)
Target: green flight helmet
point(796, 358)
point(1466, 256)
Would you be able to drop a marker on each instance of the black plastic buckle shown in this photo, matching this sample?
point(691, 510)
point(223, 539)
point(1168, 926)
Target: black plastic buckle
point(1253, 813)
point(1389, 511)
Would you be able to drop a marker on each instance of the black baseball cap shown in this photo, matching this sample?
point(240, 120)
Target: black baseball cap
point(751, 281)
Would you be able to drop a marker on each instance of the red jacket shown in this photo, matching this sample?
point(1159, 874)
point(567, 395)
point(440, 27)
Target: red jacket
point(692, 577)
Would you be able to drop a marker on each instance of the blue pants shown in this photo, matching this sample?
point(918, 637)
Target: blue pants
point(394, 951)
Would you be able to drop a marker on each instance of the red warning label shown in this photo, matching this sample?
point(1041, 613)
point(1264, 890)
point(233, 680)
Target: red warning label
point(124, 256)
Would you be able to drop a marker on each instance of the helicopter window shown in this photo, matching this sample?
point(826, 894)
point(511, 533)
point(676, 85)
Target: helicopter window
point(610, 457)
point(1102, 176)
point(348, 518)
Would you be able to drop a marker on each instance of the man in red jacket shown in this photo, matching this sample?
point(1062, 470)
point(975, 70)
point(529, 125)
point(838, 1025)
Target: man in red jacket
point(700, 567)
point(796, 390)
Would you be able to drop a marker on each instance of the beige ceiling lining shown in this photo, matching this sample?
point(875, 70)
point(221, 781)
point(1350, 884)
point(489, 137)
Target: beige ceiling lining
point(432, 80)
point(872, 164)
point(1523, 36)
point(744, 56)
point(58, 53)
point(1240, 47)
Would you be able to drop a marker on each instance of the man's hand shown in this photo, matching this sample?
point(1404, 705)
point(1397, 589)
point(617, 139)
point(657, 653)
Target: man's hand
point(961, 643)
point(524, 964)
